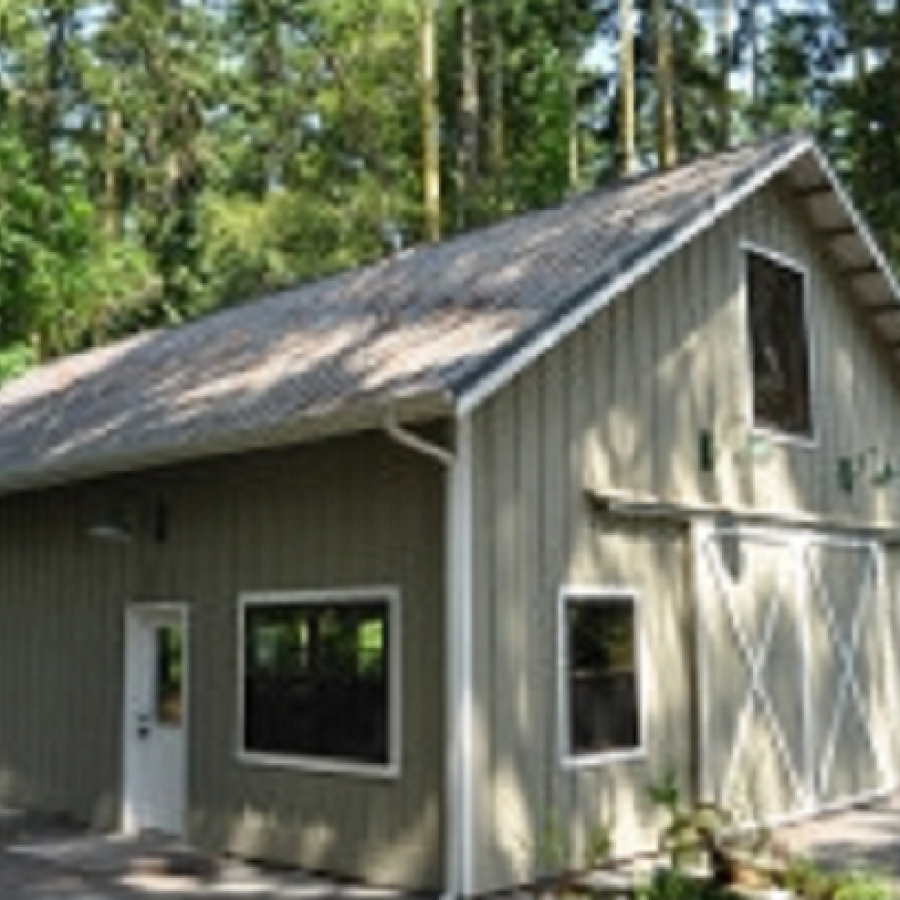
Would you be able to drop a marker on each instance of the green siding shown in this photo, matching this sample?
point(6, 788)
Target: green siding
point(351, 512)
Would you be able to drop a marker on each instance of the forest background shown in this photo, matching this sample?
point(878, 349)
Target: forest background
point(160, 159)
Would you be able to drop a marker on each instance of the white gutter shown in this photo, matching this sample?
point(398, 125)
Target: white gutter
point(417, 443)
point(458, 716)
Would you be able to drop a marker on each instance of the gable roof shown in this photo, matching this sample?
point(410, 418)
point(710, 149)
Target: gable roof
point(433, 331)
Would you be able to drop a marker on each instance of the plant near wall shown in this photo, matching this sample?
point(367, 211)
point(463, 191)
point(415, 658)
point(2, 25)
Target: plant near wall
point(805, 878)
point(558, 852)
point(704, 835)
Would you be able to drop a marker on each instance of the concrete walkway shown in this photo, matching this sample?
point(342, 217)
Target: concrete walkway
point(41, 860)
point(53, 861)
point(866, 838)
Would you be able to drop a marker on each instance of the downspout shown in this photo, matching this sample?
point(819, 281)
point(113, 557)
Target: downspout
point(458, 716)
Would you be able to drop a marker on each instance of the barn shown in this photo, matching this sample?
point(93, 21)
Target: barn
point(401, 573)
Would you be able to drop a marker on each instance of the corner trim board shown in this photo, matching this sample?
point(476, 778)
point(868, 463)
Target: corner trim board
point(460, 798)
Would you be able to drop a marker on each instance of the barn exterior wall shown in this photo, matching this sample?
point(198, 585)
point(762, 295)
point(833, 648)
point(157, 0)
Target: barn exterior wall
point(350, 512)
point(619, 407)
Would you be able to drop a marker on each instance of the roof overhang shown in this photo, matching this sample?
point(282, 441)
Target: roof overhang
point(327, 422)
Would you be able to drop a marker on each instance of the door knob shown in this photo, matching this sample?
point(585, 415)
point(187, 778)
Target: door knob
point(143, 726)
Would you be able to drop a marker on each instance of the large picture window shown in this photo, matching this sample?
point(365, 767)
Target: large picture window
point(318, 677)
point(780, 346)
point(600, 676)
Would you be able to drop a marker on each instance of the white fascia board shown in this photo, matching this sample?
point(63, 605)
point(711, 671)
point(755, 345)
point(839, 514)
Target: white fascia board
point(498, 378)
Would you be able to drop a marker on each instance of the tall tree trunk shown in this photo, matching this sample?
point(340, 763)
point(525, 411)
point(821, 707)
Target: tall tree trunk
point(569, 43)
point(667, 146)
point(755, 60)
point(627, 112)
point(111, 162)
point(860, 33)
point(469, 119)
point(431, 151)
point(726, 12)
point(58, 31)
point(496, 128)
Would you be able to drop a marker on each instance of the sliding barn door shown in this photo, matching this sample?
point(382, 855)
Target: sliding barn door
point(796, 665)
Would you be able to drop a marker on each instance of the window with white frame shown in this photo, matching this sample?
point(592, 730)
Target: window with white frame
point(600, 677)
point(776, 302)
point(318, 676)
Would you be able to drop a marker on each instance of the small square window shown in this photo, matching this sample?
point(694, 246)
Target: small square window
point(780, 347)
point(601, 675)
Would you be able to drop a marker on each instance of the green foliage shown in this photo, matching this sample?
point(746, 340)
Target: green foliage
point(810, 881)
point(673, 884)
point(159, 159)
point(16, 359)
point(61, 279)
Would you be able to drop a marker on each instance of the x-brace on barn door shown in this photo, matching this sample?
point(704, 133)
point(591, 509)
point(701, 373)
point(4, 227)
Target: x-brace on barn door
point(794, 646)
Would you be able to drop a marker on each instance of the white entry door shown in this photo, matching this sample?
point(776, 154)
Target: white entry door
point(155, 719)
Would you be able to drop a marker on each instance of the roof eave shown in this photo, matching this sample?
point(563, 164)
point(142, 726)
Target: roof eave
point(323, 423)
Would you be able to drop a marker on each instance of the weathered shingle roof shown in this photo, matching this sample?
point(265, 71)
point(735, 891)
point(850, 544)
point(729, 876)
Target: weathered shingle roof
point(423, 328)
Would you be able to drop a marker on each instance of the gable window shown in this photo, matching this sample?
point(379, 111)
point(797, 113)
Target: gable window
point(601, 696)
point(780, 346)
point(319, 672)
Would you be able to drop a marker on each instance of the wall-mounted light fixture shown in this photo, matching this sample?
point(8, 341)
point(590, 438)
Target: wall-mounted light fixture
point(706, 450)
point(110, 528)
point(847, 472)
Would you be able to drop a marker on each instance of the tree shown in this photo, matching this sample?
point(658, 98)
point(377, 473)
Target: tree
point(726, 10)
point(667, 145)
point(627, 115)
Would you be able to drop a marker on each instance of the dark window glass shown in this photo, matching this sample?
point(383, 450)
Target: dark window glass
point(602, 676)
point(781, 398)
point(169, 675)
point(317, 680)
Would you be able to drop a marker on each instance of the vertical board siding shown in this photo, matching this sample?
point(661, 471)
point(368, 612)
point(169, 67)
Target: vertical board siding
point(352, 512)
point(619, 407)
point(60, 661)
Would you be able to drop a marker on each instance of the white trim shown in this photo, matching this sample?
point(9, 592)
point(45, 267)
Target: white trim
point(377, 594)
point(493, 381)
point(599, 595)
point(134, 610)
point(701, 530)
point(779, 258)
point(460, 799)
point(412, 441)
point(770, 434)
point(648, 506)
point(803, 588)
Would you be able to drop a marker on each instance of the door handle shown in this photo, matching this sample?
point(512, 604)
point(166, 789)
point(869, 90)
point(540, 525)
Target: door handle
point(143, 726)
